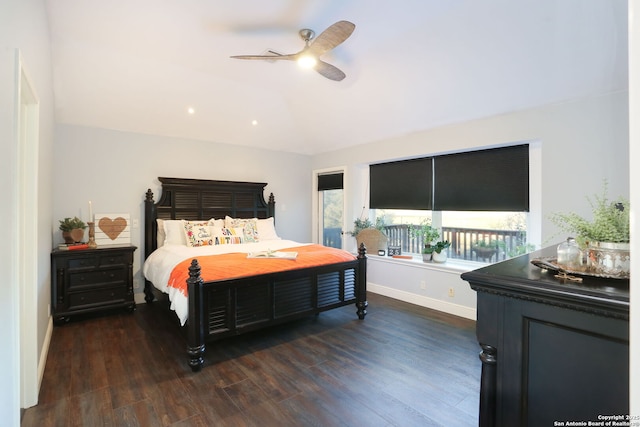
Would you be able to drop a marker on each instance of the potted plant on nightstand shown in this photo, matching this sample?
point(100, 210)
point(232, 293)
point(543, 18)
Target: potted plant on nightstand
point(72, 229)
point(605, 238)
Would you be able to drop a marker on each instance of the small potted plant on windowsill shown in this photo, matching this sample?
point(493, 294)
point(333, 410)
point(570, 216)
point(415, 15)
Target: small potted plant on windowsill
point(437, 251)
point(72, 229)
point(372, 235)
point(429, 235)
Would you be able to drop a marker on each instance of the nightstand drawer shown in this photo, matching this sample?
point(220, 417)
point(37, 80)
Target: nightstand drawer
point(97, 278)
point(115, 259)
point(79, 300)
point(83, 262)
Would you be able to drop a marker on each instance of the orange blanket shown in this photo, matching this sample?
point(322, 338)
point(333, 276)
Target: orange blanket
point(235, 265)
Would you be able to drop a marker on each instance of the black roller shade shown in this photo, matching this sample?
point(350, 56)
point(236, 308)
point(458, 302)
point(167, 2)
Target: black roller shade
point(334, 181)
point(485, 180)
point(404, 184)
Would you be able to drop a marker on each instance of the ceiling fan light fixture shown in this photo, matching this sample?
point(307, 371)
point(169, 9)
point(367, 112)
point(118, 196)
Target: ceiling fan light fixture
point(307, 61)
point(315, 47)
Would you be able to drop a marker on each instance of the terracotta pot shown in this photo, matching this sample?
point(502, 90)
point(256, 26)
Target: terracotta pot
point(74, 236)
point(66, 235)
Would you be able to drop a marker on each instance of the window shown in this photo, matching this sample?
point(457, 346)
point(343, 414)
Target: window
point(504, 232)
point(496, 179)
point(405, 184)
point(331, 204)
point(473, 197)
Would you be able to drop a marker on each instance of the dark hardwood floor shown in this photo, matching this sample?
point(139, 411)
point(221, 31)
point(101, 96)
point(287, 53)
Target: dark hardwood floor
point(403, 365)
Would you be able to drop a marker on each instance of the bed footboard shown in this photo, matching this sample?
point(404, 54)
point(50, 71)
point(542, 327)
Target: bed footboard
point(221, 309)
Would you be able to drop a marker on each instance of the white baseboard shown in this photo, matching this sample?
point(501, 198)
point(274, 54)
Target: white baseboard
point(435, 304)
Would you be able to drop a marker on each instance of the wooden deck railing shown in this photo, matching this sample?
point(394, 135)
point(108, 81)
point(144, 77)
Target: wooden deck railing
point(507, 243)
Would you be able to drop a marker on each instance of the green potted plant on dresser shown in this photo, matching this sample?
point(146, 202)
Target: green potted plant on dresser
point(605, 238)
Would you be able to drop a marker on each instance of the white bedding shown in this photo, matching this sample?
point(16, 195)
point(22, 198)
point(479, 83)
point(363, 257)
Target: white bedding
point(157, 268)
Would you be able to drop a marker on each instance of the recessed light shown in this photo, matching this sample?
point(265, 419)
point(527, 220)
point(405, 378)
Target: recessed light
point(191, 110)
point(254, 122)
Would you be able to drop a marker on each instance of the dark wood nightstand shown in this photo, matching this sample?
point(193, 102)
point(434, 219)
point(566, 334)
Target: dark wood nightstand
point(89, 280)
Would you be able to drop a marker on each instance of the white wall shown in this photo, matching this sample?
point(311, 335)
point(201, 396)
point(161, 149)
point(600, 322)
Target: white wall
point(23, 26)
point(634, 159)
point(114, 170)
point(429, 285)
point(581, 143)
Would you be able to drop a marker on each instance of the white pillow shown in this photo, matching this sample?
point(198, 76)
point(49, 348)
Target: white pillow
point(218, 223)
point(267, 229)
point(197, 233)
point(174, 232)
point(160, 235)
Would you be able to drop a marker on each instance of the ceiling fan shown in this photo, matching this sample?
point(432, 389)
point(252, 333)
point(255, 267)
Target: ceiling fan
point(309, 57)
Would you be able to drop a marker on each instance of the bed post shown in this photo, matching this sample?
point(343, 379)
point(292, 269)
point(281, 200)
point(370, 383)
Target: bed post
point(150, 237)
point(272, 206)
point(195, 331)
point(361, 292)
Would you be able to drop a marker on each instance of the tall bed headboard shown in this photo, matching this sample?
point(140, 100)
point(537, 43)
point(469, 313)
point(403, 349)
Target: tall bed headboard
point(193, 199)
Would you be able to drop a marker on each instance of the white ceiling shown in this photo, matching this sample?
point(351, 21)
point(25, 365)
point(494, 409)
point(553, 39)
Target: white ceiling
point(137, 65)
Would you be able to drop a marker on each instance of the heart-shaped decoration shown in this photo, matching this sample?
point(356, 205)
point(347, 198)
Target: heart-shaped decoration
point(112, 228)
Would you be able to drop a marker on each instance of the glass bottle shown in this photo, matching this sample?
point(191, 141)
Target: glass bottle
point(569, 254)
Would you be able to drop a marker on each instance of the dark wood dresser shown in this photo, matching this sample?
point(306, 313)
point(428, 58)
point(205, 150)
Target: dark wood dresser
point(89, 280)
point(552, 350)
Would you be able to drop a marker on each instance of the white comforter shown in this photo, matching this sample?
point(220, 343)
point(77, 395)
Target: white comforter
point(158, 267)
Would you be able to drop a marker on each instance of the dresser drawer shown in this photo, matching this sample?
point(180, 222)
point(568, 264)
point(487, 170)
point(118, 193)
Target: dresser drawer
point(97, 278)
point(80, 300)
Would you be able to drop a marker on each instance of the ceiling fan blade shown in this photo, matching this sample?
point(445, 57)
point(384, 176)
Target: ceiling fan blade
point(273, 57)
point(331, 37)
point(329, 71)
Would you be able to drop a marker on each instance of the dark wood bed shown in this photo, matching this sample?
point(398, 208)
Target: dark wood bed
point(223, 308)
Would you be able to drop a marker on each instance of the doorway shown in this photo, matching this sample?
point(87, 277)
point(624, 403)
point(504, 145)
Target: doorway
point(27, 245)
point(330, 203)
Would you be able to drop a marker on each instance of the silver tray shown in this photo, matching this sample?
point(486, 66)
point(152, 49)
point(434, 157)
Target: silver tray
point(551, 264)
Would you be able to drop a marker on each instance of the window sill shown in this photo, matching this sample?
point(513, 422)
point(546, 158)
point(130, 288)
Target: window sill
point(451, 265)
